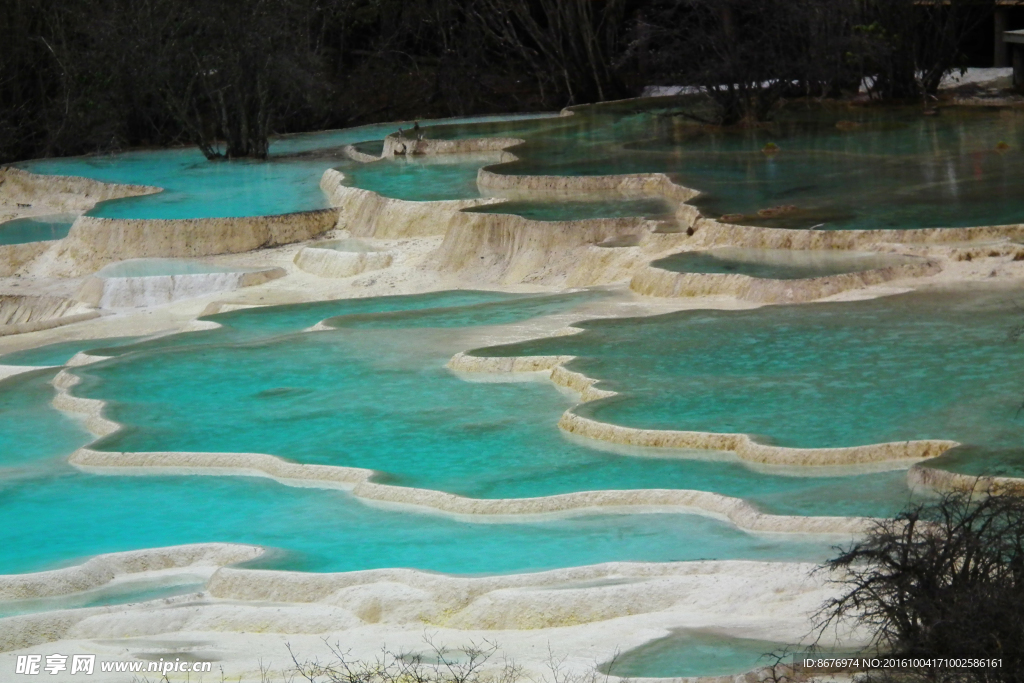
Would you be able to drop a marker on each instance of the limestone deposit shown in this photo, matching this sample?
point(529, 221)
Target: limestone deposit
point(748, 449)
point(945, 481)
point(506, 249)
point(396, 145)
point(14, 257)
point(652, 281)
point(591, 611)
point(337, 264)
point(157, 290)
point(631, 185)
point(243, 615)
point(28, 309)
point(104, 569)
point(713, 233)
point(367, 214)
point(94, 242)
point(20, 314)
point(29, 194)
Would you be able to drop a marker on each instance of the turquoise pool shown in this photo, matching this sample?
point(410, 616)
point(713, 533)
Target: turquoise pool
point(777, 264)
point(374, 393)
point(32, 434)
point(420, 178)
point(651, 207)
point(933, 364)
point(197, 188)
point(372, 390)
point(54, 519)
point(36, 228)
point(53, 515)
point(60, 352)
point(693, 652)
point(839, 168)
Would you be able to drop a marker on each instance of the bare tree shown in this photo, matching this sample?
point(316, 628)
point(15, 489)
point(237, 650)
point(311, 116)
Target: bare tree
point(571, 47)
point(904, 48)
point(941, 580)
point(746, 54)
point(227, 70)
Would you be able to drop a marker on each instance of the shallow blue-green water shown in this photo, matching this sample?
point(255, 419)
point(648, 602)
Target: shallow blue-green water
point(878, 168)
point(687, 652)
point(31, 432)
point(777, 264)
point(65, 516)
point(197, 188)
point(36, 228)
point(427, 178)
point(375, 393)
point(371, 147)
point(60, 352)
point(579, 210)
point(51, 514)
point(893, 168)
point(926, 365)
point(117, 594)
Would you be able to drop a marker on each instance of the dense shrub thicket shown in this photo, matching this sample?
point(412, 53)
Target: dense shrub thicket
point(94, 75)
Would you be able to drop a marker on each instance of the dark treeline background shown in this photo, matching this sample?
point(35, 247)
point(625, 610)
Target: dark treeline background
point(79, 76)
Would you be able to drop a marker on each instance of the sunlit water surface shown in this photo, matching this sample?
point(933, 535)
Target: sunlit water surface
point(374, 393)
point(835, 168)
point(344, 396)
point(925, 365)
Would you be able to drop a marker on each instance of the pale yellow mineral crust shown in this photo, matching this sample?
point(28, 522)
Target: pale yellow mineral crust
point(944, 480)
point(652, 281)
point(94, 242)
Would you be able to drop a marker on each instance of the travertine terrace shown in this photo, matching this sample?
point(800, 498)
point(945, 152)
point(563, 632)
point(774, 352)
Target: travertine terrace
point(369, 245)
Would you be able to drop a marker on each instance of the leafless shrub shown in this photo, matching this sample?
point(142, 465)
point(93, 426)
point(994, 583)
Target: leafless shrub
point(943, 579)
point(440, 665)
